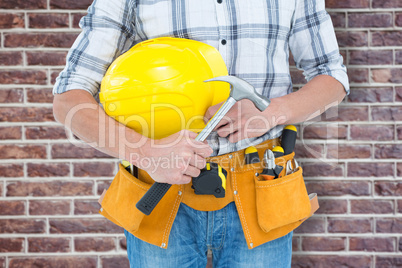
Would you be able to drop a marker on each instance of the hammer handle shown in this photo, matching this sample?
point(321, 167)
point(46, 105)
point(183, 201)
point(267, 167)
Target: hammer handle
point(152, 197)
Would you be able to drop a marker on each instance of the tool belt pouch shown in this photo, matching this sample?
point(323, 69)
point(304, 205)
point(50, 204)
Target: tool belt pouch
point(118, 202)
point(281, 201)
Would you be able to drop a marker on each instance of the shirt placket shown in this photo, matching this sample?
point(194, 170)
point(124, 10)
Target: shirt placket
point(221, 18)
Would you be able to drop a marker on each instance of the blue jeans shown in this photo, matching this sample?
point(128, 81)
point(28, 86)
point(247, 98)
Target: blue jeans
point(194, 232)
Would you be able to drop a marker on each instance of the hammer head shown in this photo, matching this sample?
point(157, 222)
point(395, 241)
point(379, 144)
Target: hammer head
point(241, 89)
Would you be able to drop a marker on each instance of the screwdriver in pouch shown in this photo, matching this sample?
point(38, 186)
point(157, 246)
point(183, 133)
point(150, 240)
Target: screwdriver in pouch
point(278, 151)
point(288, 140)
point(271, 170)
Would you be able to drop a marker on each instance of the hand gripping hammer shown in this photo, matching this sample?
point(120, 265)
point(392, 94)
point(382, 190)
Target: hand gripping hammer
point(239, 89)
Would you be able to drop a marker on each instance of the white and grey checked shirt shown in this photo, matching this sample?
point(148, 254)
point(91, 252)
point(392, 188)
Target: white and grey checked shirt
point(253, 37)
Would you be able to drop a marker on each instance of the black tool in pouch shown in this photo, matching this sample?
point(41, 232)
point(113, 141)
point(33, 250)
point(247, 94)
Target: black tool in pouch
point(211, 181)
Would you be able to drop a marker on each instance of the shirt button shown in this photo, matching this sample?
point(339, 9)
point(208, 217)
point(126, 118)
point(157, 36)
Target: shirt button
point(223, 42)
point(219, 1)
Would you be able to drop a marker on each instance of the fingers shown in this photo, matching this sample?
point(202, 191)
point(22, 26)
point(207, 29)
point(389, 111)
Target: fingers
point(228, 129)
point(197, 161)
point(192, 171)
point(211, 111)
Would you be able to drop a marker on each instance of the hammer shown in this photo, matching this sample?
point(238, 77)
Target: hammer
point(239, 89)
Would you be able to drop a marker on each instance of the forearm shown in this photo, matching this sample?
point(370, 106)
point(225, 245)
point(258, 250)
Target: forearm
point(77, 110)
point(321, 93)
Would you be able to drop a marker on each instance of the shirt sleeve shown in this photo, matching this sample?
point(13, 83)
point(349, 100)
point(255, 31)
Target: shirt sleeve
point(107, 32)
point(313, 43)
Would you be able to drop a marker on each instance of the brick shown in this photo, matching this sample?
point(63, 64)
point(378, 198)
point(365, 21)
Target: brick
point(343, 113)
point(69, 4)
point(344, 151)
point(386, 38)
point(23, 77)
point(338, 188)
point(377, 244)
point(330, 261)
point(338, 19)
point(49, 207)
point(389, 225)
point(12, 20)
point(52, 188)
point(325, 132)
point(22, 226)
point(10, 58)
point(57, 40)
point(370, 169)
point(372, 132)
point(398, 19)
point(10, 133)
point(398, 54)
point(123, 243)
point(352, 39)
point(388, 188)
point(78, 226)
point(387, 75)
point(358, 75)
point(11, 244)
point(12, 208)
point(26, 114)
point(297, 76)
point(295, 243)
point(370, 95)
point(322, 169)
point(346, 4)
point(386, 3)
point(398, 94)
point(94, 169)
point(399, 169)
point(369, 206)
point(94, 244)
point(54, 76)
point(23, 4)
point(11, 170)
point(72, 151)
point(115, 262)
point(22, 151)
point(76, 19)
point(349, 225)
point(388, 151)
point(52, 133)
point(86, 207)
point(331, 206)
point(48, 244)
point(323, 243)
point(309, 150)
point(388, 261)
point(370, 57)
point(103, 185)
point(3, 262)
point(46, 58)
point(389, 113)
point(54, 262)
point(48, 170)
point(11, 95)
point(312, 225)
point(40, 20)
point(40, 95)
point(357, 20)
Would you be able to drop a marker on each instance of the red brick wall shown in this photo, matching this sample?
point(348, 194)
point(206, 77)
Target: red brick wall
point(49, 188)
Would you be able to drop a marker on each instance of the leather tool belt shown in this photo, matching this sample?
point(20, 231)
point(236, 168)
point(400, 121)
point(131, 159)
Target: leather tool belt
point(268, 209)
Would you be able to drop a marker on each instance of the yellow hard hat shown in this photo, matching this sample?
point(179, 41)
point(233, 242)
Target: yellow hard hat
point(157, 88)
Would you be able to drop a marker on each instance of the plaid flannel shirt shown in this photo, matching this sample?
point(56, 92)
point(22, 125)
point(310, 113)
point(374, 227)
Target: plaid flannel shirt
point(253, 37)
